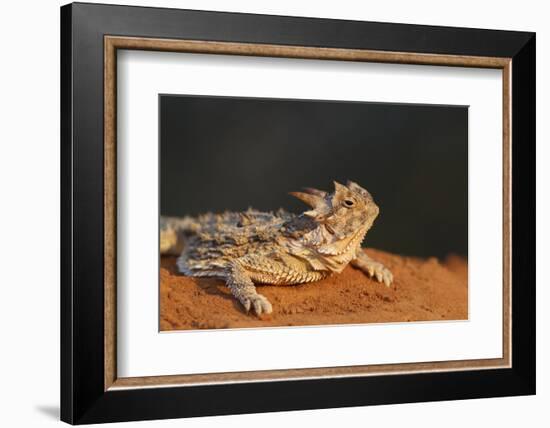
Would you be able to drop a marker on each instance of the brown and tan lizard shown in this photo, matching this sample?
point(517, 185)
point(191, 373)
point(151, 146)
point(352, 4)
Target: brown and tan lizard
point(281, 248)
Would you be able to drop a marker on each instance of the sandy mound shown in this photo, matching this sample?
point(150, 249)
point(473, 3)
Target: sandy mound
point(423, 290)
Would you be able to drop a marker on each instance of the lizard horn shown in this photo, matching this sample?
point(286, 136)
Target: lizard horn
point(339, 187)
point(312, 200)
point(313, 191)
point(356, 188)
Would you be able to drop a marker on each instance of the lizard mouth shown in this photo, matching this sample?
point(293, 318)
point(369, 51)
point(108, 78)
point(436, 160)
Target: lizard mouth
point(351, 242)
point(329, 229)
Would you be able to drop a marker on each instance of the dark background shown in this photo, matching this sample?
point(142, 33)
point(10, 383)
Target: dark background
point(227, 153)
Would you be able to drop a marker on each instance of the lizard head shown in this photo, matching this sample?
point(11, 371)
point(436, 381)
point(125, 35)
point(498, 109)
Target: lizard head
point(342, 215)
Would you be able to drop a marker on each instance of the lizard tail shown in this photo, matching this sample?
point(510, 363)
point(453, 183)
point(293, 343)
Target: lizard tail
point(172, 234)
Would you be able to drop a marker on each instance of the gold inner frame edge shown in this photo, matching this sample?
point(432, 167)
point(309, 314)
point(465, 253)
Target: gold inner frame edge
point(113, 43)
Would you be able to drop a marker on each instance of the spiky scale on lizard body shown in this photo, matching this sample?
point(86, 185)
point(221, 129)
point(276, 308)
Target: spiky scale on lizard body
point(277, 248)
point(280, 269)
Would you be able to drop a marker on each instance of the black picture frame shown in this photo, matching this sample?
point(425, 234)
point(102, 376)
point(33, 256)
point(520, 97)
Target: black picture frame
point(83, 396)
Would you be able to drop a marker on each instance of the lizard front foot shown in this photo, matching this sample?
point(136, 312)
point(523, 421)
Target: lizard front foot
point(242, 287)
point(373, 268)
point(257, 302)
point(381, 273)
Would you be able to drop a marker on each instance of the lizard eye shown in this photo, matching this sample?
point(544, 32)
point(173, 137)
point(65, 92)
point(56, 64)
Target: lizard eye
point(348, 203)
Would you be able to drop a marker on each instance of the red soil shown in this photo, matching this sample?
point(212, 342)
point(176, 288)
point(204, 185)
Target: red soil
point(423, 290)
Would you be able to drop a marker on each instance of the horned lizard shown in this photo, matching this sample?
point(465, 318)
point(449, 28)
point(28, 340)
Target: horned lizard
point(281, 248)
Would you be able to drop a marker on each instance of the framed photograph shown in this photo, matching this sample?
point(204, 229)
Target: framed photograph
point(265, 213)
